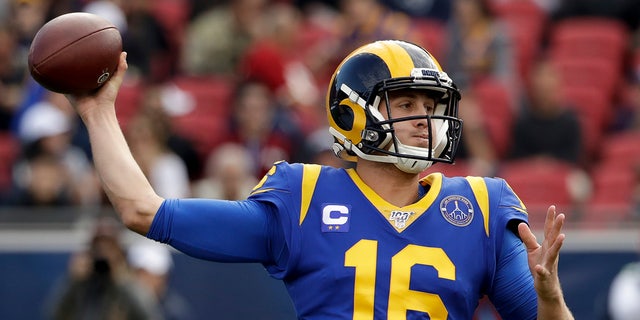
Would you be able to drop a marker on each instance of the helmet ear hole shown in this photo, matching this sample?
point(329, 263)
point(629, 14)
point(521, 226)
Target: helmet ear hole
point(343, 116)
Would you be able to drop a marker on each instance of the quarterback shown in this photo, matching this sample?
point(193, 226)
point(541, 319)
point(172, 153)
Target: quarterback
point(373, 242)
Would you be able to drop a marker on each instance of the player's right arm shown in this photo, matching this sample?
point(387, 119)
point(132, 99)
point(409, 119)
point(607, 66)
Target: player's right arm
point(123, 181)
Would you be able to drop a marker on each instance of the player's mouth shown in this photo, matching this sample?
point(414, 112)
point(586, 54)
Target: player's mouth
point(422, 140)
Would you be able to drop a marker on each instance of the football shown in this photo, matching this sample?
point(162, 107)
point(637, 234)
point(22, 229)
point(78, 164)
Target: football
point(75, 53)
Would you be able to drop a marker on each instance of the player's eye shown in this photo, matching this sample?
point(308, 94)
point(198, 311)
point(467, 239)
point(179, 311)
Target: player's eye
point(429, 108)
point(405, 105)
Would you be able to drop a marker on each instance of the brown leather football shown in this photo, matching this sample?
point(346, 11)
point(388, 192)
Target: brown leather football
point(75, 53)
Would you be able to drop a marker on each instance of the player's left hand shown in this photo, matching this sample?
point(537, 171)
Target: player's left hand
point(543, 259)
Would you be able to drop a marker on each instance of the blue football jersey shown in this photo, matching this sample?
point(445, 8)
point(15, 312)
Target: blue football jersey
point(353, 255)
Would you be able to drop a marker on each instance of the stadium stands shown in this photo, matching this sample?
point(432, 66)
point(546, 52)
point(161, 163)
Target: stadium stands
point(540, 182)
point(209, 118)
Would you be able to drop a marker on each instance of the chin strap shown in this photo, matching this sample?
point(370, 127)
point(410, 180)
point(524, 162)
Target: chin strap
point(409, 165)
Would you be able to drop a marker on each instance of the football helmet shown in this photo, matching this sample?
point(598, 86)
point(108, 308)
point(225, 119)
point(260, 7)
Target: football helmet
point(363, 79)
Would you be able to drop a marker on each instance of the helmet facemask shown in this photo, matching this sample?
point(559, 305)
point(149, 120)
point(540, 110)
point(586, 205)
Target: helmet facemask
point(443, 126)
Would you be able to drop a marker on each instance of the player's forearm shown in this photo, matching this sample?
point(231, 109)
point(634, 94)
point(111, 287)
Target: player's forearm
point(122, 179)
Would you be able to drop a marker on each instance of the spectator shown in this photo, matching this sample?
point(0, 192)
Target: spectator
point(359, 22)
point(143, 37)
point(100, 284)
point(45, 132)
point(479, 45)
point(312, 5)
point(477, 148)
point(318, 149)
point(215, 39)
point(109, 10)
point(24, 20)
point(321, 22)
point(425, 9)
point(165, 102)
point(277, 60)
point(545, 126)
point(4, 10)
point(152, 263)
point(635, 197)
point(148, 139)
point(259, 124)
point(12, 77)
point(627, 112)
point(228, 174)
point(623, 10)
point(43, 181)
point(363, 21)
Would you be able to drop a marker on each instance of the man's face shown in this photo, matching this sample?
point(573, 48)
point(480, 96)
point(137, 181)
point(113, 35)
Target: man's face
point(410, 103)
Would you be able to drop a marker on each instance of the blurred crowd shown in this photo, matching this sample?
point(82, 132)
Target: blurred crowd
point(108, 279)
point(218, 90)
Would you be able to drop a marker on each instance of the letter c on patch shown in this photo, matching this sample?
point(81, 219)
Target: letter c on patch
point(335, 215)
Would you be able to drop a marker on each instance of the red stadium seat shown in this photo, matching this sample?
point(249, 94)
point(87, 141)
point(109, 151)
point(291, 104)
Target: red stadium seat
point(595, 112)
point(9, 150)
point(611, 202)
point(209, 119)
point(526, 22)
point(591, 51)
point(621, 150)
point(433, 36)
point(173, 16)
point(594, 37)
point(526, 37)
point(519, 9)
point(540, 182)
point(614, 179)
point(594, 73)
point(590, 103)
point(129, 101)
point(496, 105)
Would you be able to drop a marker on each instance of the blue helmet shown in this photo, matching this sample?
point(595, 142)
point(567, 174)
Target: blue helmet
point(359, 84)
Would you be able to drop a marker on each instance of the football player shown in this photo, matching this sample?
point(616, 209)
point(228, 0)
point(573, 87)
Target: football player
point(373, 242)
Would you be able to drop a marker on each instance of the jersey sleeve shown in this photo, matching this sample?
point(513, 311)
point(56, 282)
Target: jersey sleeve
point(511, 291)
point(281, 188)
point(219, 230)
point(254, 230)
point(511, 205)
point(508, 206)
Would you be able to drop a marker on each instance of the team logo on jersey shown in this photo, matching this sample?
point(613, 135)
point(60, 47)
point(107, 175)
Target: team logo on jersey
point(335, 218)
point(457, 210)
point(400, 218)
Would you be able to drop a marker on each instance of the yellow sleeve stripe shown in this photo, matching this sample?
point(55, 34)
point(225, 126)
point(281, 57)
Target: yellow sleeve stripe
point(522, 207)
point(481, 194)
point(262, 191)
point(263, 181)
point(310, 175)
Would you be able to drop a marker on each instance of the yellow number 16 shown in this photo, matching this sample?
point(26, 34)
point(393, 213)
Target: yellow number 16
point(363, 256)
